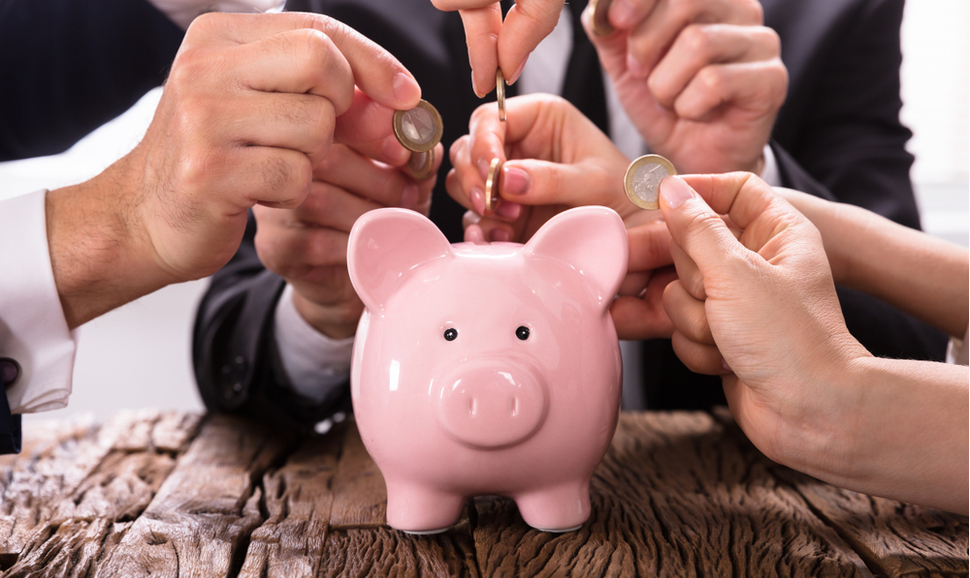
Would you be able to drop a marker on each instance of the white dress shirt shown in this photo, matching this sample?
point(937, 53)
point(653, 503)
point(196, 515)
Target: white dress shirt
point(33, 329)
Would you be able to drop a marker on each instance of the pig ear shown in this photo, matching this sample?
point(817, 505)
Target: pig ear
point(384, 245)
point(593, 241)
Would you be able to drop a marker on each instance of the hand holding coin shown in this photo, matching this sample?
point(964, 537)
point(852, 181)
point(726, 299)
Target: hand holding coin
point(642, 180)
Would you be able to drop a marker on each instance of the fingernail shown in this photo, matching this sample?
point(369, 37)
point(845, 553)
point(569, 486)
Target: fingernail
point(675, 191)
point(409, 197)
point(725, 366)
point(508, 210)
point(515, 181)
point(406, 89)
point(499, 236)
point(477, 196)
point(518, 71)
point(483, 166)
point(633, 66)
point(394, 152)
point(475, 89)
point(622, 14)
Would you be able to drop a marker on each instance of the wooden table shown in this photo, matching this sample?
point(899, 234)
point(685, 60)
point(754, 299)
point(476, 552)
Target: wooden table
point(678, 494)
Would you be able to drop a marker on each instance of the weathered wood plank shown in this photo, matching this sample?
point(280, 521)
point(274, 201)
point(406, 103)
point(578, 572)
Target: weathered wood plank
point(894, 539)
point(674, 496)
point(84, 525)
point(382, 551)
point(199, 522)
point(298, 499)
point(359, 493)
point(59, 458)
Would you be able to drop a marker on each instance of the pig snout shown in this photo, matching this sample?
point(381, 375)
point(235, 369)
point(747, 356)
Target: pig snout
point(491, 403)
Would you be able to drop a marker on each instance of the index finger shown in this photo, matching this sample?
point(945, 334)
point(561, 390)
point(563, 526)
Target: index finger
point(381, 76)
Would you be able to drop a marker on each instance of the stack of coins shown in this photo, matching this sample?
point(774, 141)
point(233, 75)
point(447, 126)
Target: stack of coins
point(419, 130)
point(642, 180)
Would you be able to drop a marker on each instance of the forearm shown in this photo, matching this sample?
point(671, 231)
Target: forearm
point(912, 433)
point(912, 271)
point(91, 236)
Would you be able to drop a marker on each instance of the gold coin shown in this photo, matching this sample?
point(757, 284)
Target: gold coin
point(600, 21)
point(500, 94)
point(491, 185)
point(421, 165)
point(418, 129)
point(642, 180)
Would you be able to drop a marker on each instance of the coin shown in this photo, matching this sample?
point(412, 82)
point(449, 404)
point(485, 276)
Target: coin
point(642, 180)
point(500, 94)
point(421, 165)
point(600, 21)
point(418, 129)
point(491, 185)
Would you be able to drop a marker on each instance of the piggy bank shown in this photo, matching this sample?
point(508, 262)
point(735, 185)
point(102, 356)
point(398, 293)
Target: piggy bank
point(486, 369)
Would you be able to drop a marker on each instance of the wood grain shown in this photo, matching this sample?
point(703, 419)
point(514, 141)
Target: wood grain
point(200, 521)
point(678, 494)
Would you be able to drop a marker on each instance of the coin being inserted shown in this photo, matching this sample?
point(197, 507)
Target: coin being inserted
point(600, 21)
point(500, 94)
point(642, 180)
point(418, 129)
point(491, 185)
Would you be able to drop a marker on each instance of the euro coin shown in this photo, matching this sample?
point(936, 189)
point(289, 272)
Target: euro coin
point(421, 165)
point(500, 94)
point(418, 129)
point(642, 180)
point(491, 185)
point(600, 21)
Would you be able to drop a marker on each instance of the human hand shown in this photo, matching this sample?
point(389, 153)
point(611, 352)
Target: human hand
point(494, 44)
point(248, 111)
point(758, 307)
point(307, 245)
point(554, 158)
point(701, 80)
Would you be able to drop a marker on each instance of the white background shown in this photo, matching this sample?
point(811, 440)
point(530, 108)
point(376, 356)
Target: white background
point(139, 355)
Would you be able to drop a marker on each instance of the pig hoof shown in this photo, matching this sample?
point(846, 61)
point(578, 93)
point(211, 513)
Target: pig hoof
point(559, 530)
point(429, 532)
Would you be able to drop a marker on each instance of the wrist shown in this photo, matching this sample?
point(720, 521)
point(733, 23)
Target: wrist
point(336, 322)
point(93, 249)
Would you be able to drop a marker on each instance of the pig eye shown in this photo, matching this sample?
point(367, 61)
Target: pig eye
point(451, 334)
point(522, 332)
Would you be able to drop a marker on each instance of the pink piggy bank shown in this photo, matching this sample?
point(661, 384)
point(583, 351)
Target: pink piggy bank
point(486, 369)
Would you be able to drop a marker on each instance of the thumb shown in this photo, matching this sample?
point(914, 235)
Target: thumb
point(694, 226)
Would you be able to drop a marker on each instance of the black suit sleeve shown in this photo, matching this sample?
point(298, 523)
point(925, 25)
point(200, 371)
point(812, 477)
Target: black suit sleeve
point(69, 66)
point(839, 137)
point(236, 363)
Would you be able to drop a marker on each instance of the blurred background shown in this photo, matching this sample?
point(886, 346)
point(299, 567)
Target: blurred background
point(139, 355)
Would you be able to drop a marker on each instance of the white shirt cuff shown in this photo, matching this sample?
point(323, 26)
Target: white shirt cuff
point(956, 350)
point(183, 12)
point(314, 363)
point(770, 173)
point(33, 330)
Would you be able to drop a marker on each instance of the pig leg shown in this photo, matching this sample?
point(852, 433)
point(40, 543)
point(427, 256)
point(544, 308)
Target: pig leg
point(561, 508)
point(417, 509)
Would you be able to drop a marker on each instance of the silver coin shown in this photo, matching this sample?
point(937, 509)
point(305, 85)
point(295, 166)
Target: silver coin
point(642, 180)
point(418, 129)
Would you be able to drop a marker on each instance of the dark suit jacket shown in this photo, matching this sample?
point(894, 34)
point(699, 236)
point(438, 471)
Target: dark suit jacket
point(67, 67)
point(838, 136)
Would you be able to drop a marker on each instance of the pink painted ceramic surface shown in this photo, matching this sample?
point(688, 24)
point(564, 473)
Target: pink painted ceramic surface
point(450, 400)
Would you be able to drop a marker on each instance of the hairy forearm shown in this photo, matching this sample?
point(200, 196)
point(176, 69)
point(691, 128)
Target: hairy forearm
point(91, 235)
point(912, 438)
point(912, 271)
